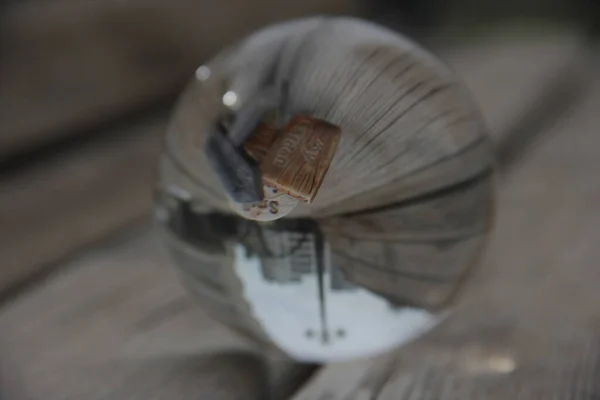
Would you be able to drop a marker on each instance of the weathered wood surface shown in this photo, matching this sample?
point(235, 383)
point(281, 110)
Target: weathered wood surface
point(54, 207)
point(32, 337)
point(527, 327)
point(88, 193)
point(445, 215)
point(70, 65)
point(117, 324)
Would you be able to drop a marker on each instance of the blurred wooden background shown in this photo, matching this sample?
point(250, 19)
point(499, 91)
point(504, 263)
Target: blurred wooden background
point(90, 307)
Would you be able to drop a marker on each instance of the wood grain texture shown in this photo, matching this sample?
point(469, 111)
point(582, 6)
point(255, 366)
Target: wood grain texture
point(425, 275)
point(446, 215)
point(117, 324)
point(506, 77)
point(527, 327)
point(71, 65)
point(418, 252)
point(407, 127)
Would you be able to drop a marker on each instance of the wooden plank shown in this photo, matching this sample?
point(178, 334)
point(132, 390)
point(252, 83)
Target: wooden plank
point(74, 199)
point(527, 326)
point(117, 324)
point(70, 65)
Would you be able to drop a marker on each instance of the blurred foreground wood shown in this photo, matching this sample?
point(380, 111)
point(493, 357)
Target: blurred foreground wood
point(115, 323)
point(53, 208)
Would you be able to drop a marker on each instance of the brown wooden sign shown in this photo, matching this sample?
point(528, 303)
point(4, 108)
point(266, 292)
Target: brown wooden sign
point(299, 157)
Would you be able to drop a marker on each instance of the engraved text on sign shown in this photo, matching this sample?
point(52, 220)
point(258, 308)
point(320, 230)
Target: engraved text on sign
point(300, 157)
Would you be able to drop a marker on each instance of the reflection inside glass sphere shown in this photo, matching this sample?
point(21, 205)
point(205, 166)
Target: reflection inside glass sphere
point(286, 281)
point(378, 149)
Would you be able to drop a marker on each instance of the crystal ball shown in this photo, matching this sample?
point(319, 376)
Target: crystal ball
point(374, 245)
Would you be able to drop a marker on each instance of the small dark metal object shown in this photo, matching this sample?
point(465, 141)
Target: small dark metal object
point(238, 173)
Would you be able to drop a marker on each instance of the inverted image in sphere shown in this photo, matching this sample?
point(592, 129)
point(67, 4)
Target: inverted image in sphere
point(373, 245)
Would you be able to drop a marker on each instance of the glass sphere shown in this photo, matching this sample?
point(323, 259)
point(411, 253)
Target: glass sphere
point(382, 253)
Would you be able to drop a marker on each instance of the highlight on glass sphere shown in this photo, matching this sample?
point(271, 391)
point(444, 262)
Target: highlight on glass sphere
point(325, 188)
